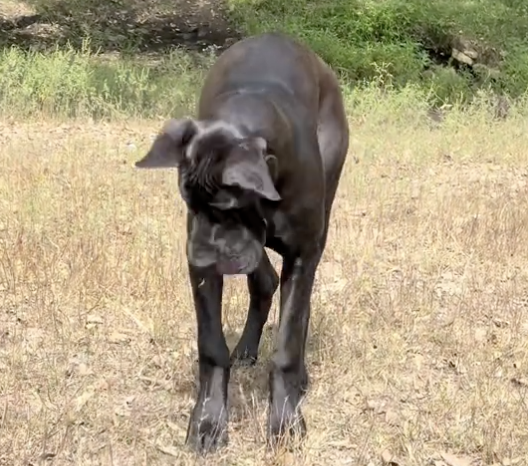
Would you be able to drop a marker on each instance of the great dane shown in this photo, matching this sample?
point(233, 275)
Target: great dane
point(259, 167)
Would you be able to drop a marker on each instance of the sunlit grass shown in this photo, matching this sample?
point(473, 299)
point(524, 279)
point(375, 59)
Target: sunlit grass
point(419, 327)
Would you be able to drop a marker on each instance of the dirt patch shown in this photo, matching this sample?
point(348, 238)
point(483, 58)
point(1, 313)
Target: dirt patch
point(150, 26)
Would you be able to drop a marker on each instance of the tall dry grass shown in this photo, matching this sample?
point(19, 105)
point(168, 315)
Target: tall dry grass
point(418, 337)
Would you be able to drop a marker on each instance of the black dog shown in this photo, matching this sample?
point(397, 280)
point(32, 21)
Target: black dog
point(258, 168)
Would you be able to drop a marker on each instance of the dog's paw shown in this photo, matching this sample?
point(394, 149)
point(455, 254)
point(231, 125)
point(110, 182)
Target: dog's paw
point(243, 357)
point(244, 354)
point(286, 424)
point(208, 428)
point(285, 418)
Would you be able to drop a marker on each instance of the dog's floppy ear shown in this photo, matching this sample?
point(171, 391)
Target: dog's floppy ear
point(249, 170)
point(168, 148)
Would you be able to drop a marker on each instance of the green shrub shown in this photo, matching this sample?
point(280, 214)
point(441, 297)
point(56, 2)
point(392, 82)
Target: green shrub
point(405, 40)
point(71, 83)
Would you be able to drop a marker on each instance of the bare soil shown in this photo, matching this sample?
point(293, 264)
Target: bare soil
point(149, 26)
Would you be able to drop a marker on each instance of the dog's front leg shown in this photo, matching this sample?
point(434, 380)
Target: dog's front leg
point(208, 424)
point(288, 378)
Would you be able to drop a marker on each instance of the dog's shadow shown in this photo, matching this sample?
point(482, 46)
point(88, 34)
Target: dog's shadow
point(248, 386)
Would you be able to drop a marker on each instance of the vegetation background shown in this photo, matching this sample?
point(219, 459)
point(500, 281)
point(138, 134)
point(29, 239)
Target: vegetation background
point(452, 50)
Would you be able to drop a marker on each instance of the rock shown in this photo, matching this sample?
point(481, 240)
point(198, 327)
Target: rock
point(462, 57)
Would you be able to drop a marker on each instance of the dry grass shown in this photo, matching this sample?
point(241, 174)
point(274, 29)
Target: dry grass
point(418, 342)
point(14, 8)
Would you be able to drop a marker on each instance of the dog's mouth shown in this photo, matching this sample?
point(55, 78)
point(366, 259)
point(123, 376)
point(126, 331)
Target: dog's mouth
point(231, 267)
point(238, 265)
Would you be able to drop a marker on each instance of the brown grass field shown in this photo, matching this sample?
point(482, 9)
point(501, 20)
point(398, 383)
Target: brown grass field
point(418, 345)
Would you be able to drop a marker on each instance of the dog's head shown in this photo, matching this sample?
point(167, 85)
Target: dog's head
point(225, 181)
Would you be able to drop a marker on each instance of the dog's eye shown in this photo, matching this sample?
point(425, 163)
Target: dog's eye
point(225, 201)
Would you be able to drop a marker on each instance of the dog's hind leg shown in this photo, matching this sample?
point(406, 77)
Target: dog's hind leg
point(262, 284)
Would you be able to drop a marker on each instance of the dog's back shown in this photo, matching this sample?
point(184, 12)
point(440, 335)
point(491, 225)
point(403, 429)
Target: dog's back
point(269, 73)
point(267, 60)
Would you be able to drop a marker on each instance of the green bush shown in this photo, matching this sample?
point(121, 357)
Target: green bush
point(403, 40)
point(69, 83)
point(78, 83)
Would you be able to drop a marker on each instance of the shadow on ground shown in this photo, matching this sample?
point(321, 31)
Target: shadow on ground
point(120, 26)
point(248, 385)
